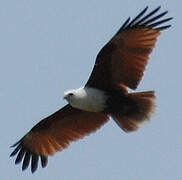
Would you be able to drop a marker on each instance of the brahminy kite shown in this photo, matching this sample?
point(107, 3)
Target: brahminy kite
point(119, 65)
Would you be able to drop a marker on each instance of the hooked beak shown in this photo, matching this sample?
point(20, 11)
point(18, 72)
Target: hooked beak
point(65, 97)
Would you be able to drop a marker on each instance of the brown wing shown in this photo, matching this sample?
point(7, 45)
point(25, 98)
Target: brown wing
point(123, 59)
point(54, 133)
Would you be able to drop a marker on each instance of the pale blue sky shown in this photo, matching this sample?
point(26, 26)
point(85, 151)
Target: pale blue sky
point(48, 47)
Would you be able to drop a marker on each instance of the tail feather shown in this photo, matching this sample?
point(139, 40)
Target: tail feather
point(140, 108)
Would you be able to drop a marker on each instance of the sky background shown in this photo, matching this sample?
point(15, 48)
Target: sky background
point(47, 47)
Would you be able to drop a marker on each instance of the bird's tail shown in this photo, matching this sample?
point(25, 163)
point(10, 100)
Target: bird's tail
point(139, 109)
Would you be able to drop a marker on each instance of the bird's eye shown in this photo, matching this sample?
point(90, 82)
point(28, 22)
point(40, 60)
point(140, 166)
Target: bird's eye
point(71, 94)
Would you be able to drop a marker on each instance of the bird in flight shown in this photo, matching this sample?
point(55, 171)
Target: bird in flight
point(119, 65)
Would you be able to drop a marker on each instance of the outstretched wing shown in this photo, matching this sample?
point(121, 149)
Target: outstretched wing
point(54, 133)
point(123, 59)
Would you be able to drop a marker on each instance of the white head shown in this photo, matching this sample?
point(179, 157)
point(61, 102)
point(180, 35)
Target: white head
point(88, 99)
point(73, 94)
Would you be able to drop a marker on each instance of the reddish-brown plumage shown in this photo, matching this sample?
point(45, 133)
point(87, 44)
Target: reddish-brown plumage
point(129, 61)
point(137, 108)
point(58, 130)
point(123, 59)
point(119, 64)
point(66, 125)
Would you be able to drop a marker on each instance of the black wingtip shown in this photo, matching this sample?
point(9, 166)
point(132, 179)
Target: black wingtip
point(145, 20)
point(16, 150)
point(163, 27)
point(34, 163)
point(44, 161)
point(25, 155)
point(138, 16)
point(124, 25)
point(26, 161)
point(158, 23)
point(14, 145)
point(147, 16)
point(150, 20)
point(144, 10)
point(154, 19)
point(20, 156)
point(158, 7)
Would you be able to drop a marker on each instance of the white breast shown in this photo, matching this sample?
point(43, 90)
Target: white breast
point(88, 99)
